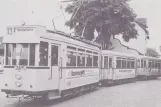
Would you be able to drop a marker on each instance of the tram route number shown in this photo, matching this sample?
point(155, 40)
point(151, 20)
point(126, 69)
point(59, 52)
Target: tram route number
point(77, 73)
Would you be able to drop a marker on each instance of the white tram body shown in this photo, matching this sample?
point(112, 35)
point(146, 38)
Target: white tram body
point(117, 67)
point(39, 62)
point(148, 67)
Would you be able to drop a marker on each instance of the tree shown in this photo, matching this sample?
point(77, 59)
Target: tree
point(107, 17)
point(152, 52)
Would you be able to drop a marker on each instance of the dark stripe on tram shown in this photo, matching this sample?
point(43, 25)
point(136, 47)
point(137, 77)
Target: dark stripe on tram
point(29, 67)
point(78, 67)
point(38, 67)
point(8, 66)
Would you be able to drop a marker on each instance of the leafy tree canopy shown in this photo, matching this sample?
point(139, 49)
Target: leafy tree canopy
point(107, 17)
point(152, 52)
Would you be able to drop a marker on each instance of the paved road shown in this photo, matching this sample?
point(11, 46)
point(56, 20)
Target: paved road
point(139, 94)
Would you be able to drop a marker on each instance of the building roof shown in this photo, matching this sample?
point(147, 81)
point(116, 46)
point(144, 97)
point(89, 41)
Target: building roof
point(129, 47)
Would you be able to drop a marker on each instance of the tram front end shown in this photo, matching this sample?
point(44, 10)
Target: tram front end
point(26, 64)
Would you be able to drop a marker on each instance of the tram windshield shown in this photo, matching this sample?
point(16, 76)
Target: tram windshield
point(20, 54)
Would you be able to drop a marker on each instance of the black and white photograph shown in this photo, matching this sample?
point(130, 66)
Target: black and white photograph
point(80, 53)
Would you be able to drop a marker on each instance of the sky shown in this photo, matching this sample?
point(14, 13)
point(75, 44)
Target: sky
point(42, 12)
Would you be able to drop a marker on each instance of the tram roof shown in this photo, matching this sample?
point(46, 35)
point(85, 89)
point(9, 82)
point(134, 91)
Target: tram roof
point(108, 52)
point(148, 57)
point(77, 38)
point(39, 31)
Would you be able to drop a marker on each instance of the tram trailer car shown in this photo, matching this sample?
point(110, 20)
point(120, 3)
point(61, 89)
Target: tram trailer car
point(148, 67)
point(39, 62)
point(117, 67)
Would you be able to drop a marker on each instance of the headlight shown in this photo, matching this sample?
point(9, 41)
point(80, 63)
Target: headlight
point(18, 84)
point(18, 76)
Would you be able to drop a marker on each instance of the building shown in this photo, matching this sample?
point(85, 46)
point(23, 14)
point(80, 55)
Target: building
point(134, 46)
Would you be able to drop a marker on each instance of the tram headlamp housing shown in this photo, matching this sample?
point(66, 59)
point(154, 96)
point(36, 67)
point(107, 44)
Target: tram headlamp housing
point(18, 84)
point(18, 76)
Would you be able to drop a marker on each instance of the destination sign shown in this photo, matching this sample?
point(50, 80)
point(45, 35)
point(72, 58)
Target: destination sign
point(20, 29)
point(77, 73)
point(24, 29)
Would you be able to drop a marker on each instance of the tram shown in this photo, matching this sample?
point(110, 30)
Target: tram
point(148, 67)
point(50, 64)
point(117, 67)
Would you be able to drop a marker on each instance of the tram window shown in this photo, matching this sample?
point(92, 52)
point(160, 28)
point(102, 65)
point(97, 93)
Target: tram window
point(141, 63)
point(24, 54)
point(150, 64)
point(21, 51)
point(81, 50)
point(32, 55)
point(89, 60)
point(138, 64)
point(71, 58)
point(106, 62)
point(14, 55)
point(123, 63)
point(110, 62)
point(159, 65)
point(156, 65)
point(8, 54)
point(70, 47)
point(153, 64)
point(118, 64)
point(43, 54)
point(95, 61)
point(89, 51)
point(132, 64)
point(129, 63)
point(81, 59)
point(144, 63)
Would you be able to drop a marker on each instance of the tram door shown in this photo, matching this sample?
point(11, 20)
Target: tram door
point(55, 56)
point(111, 66)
